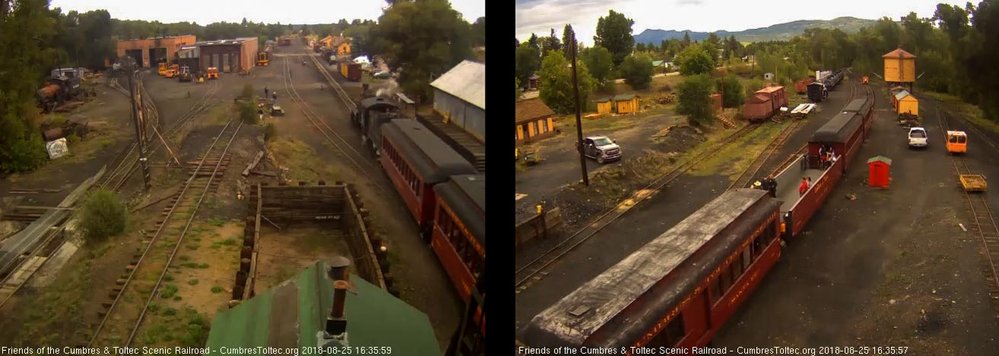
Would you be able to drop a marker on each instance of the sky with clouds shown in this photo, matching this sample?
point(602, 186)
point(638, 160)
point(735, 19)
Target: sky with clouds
point(283, 11)
point(539, 16)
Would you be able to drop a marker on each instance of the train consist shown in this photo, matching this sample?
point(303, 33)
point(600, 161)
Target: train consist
point(680, 289)
point(823, 84)
point(441, 189)
point(842, 135)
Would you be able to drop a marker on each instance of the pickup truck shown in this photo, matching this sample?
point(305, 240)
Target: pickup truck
point(601, 148)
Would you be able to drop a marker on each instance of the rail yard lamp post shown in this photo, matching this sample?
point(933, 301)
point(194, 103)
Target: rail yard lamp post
point(579, 121)
point(138, 118)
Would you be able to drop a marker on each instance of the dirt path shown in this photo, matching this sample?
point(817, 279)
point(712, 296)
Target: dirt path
point(561, 162)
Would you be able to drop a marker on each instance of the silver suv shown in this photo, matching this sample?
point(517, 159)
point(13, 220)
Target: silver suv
point(601, 149)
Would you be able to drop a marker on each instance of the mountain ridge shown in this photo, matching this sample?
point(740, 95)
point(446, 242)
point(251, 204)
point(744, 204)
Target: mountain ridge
point(776, 32)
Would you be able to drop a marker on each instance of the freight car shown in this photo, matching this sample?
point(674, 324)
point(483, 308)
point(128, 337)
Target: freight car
point(764, 104)
point(844, 134)
point(677, 290)
point(351, 71)
point(56, 91)
point(801, 86)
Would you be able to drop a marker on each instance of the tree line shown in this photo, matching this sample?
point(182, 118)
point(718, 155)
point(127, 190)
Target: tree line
point(422, 39)
point(953, 46)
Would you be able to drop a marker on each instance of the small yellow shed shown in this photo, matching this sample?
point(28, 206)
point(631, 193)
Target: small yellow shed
point(905, 103)
point(900, 66)
point(534, 120)
point(603, 105)
point(627, 103)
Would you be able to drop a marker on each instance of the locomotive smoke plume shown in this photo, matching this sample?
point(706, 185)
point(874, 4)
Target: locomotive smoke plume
point(389, 90)
point(380, 64)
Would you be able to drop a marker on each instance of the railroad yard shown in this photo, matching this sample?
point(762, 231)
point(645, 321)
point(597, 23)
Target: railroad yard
point(872, 267)
point(233, 208)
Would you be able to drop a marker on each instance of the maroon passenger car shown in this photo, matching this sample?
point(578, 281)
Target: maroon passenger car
point(459, 236)
point(678, 289)
point(415, 160)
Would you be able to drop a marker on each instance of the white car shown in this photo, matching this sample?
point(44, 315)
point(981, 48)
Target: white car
point(917, 137)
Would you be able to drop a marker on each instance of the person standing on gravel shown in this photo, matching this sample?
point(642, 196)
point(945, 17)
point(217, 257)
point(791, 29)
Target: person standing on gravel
point(266, 92)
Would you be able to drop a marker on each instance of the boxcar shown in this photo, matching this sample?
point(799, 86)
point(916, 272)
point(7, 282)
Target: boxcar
point(678, 289)
point(415, 160)
point(459, 230)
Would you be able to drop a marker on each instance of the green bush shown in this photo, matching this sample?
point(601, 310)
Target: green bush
point(270, 131)
point(248, 92)
point(732, 92)
point(694, 99)
point(637, 71)
point(248, 113)
point(103, 215)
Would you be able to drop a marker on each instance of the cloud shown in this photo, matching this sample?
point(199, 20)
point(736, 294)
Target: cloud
point(689, 2)
point(539, 16)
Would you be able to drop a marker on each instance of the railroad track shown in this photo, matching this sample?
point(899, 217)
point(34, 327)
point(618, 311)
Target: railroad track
point(126, 163)
point(532, 271)
point(137, 287)
point(744, 179)
point(342, 94)
point(345, 148)
point(984, 222)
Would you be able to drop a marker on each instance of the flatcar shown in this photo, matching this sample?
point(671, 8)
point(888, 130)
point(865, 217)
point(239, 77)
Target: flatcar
point(844, 134)
point(371, 115)
point(416, 160)
point(459, 230)
point(677, 290)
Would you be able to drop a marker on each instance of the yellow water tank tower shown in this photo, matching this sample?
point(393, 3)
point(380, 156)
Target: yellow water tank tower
point(900, 66)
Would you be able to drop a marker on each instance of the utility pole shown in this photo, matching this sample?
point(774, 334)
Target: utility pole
point(140, 125)
point(579, 119)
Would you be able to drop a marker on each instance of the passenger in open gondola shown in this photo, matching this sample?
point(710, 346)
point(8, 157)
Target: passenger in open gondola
point(803, 187)
point(771, 185)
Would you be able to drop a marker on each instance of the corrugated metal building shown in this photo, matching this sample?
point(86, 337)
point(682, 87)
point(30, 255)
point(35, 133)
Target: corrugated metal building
point(228, 55)
point(291, 314)
point(460, 97)
point(189, 56)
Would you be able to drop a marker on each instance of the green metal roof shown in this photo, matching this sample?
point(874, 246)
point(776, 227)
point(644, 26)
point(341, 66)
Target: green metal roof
point(625, 97)
point(291, 314)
